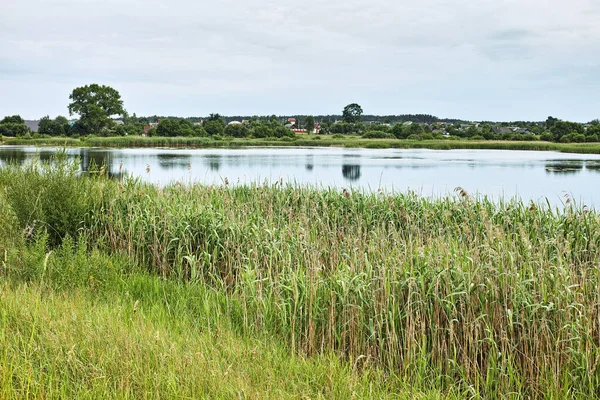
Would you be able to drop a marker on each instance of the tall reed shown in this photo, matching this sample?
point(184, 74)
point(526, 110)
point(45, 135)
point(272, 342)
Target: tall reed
point(491, 297)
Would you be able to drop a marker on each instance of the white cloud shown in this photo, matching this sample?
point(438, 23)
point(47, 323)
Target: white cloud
point(476, 60)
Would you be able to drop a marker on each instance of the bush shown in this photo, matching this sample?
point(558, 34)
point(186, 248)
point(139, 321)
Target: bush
point(378, 135)
point(236, 130)
point(338, 136)
point(49, 196)
point(262, 131)
point(13, 129)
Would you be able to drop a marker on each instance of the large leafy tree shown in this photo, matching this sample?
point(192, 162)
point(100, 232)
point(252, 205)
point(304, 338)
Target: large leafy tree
point(13, 126)
point(14, 119)
point(53, 127)
point(352, 113)
point(95, 104)
point(309, 124)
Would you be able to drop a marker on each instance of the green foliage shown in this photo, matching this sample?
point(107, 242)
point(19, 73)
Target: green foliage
point(262, 131)
point(394, 277)
point(87, 325)
point(13, 129)
point(345, 128)
point(14, 119)
point(562, 129)
point(236, 130)
point(309, 123)
point(53, 127)
point(176, 127)
point(95, 105)
point(214, 127)
point(281, 131)
point(550, 121)
point(376, 134)
point(49, 197)
point(352, 113)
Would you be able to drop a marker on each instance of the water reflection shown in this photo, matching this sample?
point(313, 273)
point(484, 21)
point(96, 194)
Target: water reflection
point(571, 167)
point(9, 155)
point(351, 172)
point(310, 162)
point(213, 162)
point(531, 175)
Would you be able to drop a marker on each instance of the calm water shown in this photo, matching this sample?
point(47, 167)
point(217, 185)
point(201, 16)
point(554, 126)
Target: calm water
point(496, 173)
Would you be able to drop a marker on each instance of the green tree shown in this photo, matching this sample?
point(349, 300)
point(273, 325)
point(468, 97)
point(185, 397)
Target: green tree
point(53, 127)
point(14, 119)
point(352, 113)
point(399, 131)
point(13, 126)
point(173, 127)
point(214, 126)
point(13, 129)
point(263, 131)
point(561, 130)
point(550, 121)
point(309, 124)
point(281, 131)
point(236, 130)
point(95, 104)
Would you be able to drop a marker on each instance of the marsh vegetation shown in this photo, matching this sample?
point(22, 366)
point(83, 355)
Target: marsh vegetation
point(122, 287)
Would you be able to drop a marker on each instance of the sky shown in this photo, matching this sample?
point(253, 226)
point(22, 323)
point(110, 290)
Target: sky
point(500, 60)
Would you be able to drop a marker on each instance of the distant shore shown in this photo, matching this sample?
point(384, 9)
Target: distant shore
point(303, 141)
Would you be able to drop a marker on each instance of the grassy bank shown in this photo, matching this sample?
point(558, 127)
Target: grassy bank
point(137, 336)
point(307, 140)
point(462, 297)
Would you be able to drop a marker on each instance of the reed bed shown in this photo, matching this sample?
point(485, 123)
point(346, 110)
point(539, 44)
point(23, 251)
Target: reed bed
point(462, 295)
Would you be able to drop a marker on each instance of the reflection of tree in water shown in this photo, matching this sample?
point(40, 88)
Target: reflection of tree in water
point(213, 161)
point(309, 163)
point(351, 171)
point(564, 168)
point(593, 166)
point(12, 156)
point(94, 161)
point(169, 161)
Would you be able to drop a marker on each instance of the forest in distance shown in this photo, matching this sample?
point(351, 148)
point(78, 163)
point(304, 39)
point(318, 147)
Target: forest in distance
point(100, 111)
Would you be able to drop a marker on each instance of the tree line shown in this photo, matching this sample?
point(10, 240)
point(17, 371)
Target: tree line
point(97, 106)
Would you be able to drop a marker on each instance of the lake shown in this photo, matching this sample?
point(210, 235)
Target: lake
point(530, 175)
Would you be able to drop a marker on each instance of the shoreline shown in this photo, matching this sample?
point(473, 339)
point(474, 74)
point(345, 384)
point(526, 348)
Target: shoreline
point(315, 141)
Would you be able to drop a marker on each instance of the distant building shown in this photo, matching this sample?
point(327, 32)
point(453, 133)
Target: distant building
point(234, 123)
point(33, 126)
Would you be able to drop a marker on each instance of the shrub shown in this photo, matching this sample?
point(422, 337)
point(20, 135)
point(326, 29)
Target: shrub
point(49, 196)
point(378, 135)
point(236, 130)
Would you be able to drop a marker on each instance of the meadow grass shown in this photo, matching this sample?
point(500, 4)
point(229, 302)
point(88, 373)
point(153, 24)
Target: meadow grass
point(348, 141)
point(465, 297)
point(134, 335)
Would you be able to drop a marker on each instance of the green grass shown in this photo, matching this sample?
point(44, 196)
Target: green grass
point(307, 140)
point(394, 294)
point(143, 337)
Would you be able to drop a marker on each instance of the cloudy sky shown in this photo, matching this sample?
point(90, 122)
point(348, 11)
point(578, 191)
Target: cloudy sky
point(477, 60)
